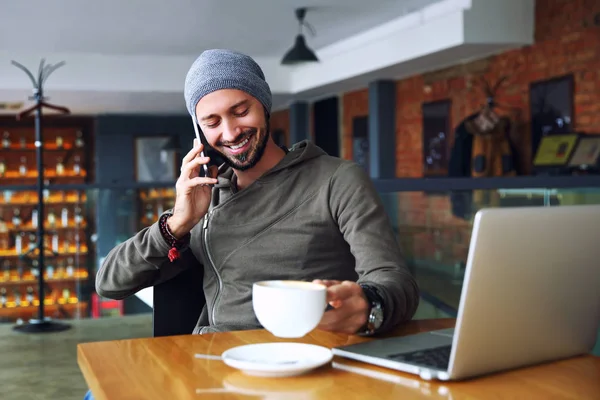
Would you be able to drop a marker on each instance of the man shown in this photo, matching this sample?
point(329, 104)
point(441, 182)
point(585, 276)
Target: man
point(267, 213)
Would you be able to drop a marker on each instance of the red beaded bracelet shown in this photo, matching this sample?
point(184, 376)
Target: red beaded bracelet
point(176, 244)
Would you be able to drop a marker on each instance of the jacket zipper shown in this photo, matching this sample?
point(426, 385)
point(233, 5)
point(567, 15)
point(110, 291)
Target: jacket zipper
point(212, 264)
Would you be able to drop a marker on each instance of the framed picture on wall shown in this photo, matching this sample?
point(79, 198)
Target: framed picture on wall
point(152, 162)
point(551, 109)
point(587, 153)
point(436, 128)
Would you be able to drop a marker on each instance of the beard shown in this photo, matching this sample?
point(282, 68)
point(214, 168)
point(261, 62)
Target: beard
point(250, 157)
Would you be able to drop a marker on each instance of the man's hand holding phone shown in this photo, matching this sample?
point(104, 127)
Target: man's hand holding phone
point(193, 192)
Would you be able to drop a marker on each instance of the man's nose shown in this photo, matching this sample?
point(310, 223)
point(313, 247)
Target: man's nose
point(230, 131)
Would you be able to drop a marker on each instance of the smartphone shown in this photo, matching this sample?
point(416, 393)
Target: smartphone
point(200, 138)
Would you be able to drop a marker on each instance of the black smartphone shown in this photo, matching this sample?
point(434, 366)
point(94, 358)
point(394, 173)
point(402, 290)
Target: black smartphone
point(202, 140)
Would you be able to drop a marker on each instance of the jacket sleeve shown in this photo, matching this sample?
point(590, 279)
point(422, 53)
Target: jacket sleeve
point(139, 262)
point(366, 227)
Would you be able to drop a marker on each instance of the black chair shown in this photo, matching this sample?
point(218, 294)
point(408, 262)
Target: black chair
point(178, 303)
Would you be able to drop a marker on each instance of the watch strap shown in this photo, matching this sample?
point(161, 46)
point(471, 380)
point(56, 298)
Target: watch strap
point(375, 301)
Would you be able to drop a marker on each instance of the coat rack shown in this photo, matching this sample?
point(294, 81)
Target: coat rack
point(41, 324)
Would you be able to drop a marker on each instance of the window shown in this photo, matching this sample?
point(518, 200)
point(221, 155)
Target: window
point(436, 127)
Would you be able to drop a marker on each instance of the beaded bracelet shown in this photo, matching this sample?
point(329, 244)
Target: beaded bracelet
point(177, 245)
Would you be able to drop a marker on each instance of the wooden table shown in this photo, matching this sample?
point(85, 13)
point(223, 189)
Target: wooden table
point(166, 368)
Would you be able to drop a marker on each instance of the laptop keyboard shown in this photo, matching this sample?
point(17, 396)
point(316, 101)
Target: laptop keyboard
point(438, 357)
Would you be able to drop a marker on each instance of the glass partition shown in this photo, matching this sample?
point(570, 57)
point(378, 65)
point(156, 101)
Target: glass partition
point(81, 227)
point(67, 256)
point(434, 231)
point(84, 224)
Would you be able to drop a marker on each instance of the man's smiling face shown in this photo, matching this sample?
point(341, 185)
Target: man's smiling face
point(235, 125)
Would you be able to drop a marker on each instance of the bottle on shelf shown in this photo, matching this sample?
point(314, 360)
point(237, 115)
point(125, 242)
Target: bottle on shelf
point(23, 166)
point(70, 268)
point(32, 241)
point(4, 235)
point(60, 168)
point(79, 139)
point(19, 243)
point(66, 294)
point(23, 142)
point(34, 218)
point(2, 167)
point(7, 196)
point(17, 295)
point(67, 243)
point(78, 216)
point(59, 142)
point(77, 243)
point(16, 220)
point(29, 297)
point(20, 271)
point(3, 297)
point(64, 217)
point(35, 271)
point(55, 242)
point(77, 165)
point(6, 271)
point(60, 269)
point(49, 271)
point(51, 218)
point(6, 140)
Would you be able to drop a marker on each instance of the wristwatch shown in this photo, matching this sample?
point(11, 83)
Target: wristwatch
point(375, 317)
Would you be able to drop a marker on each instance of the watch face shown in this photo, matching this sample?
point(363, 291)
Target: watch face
point(377, 317)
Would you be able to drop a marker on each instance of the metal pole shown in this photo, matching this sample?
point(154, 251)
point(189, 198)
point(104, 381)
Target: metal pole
point(39, 154)
point(40, 325)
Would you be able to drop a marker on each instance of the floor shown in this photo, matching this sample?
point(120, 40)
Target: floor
point(44, 366)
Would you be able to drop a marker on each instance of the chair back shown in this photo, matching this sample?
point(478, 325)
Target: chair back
point(178, 303)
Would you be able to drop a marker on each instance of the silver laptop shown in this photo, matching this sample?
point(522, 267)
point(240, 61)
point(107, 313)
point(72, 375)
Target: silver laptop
point(531, 294)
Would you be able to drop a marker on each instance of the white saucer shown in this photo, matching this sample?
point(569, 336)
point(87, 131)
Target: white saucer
point(277, 359)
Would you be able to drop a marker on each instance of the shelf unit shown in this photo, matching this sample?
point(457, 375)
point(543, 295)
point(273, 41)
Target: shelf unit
point(66, 222)
point(152, 203)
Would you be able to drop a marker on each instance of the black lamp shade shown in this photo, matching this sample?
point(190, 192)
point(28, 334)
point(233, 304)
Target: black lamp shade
point(299, 53)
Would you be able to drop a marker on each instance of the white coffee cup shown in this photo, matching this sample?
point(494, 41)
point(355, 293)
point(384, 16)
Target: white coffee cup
point(289, 309)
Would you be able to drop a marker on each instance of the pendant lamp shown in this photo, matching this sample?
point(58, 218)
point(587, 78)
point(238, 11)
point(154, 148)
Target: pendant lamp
point(300, 52)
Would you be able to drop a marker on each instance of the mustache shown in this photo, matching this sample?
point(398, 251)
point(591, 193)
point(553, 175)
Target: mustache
point(240, 138)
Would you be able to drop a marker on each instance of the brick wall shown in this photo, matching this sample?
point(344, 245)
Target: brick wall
point(354, 104)
point(567, 42)
point(281, 120)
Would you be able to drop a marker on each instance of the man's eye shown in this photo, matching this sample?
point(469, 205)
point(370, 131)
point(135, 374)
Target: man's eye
point(211, 124)
point(242, 113)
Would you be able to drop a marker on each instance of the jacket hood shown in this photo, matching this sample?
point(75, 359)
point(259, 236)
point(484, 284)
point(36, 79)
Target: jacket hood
point(297, 154)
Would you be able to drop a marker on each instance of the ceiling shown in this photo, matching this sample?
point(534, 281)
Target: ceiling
point(130, 56)
point(185, 27)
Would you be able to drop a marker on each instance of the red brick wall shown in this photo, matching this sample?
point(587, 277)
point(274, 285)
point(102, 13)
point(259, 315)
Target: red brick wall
point(354, 104)
point(281, 120)
point(566, 42)
point(564, 45)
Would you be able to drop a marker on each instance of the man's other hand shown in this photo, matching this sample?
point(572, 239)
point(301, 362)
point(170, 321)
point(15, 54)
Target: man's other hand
point(350, 307)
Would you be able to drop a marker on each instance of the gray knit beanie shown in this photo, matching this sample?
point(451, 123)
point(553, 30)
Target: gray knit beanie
point(225, 69)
